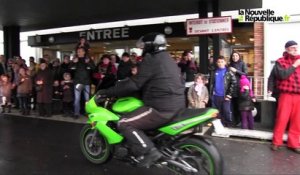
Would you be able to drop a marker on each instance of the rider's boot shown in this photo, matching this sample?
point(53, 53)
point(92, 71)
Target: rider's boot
point(149, 158)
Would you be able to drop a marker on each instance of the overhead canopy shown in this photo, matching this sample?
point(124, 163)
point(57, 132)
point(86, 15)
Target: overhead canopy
point(44, 14)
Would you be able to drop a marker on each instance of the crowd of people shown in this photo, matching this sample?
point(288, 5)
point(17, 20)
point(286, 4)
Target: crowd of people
point(227, 88)
point(70, 82)
point(55, 87)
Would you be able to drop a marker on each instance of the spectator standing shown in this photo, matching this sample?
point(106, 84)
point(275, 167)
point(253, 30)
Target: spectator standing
point(15, 68)
point(115, 60)
point(124, 69)
point(83, 43)
point(2, 65)
point(106, 73)
point(68, 94)
point(65, 66)
point(246, 103)
point(134, 69)
point(239, 68)
point(188, 66)
point(211, 66)
point(43, 82)
point(198, 94)
point(222, 86)
point(56, 72)
point(24, 87)
point(287, 72)
point(33, 69)
point(5, 88)
point(82, 68)
point(57, 98)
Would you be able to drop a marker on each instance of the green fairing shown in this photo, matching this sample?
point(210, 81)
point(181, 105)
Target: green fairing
point(101, 116)
point(91, 106)
point(101, 120)
point(127, 104)
point(181, 126)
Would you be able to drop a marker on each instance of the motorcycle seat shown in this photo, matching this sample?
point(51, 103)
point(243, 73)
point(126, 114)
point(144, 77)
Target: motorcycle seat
point(188, 113)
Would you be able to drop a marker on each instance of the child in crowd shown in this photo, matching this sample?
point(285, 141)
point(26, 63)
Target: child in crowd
point(56, 98)
point(198, 94)
point(24, 88)
point(134, 69)
point(222, 86)
point(5, 87)
point(68, 96)
point(246, 105)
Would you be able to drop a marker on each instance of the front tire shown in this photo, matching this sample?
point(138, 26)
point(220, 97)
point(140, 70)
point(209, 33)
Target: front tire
point(96, 151)
point(200, 154)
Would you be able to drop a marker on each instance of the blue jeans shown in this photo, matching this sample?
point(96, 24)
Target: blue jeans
point(86, 92)
point(224, 108)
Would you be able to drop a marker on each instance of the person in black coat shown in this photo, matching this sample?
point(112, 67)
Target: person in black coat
point(44, 88)
point(82, 68)
point(158, 79)
point(239, 68)
point(188, 66)
point(124, 69)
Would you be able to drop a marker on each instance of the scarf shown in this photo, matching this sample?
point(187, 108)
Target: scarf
point(198, 89)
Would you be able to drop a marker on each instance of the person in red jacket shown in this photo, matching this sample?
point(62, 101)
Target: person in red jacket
point(287, 72)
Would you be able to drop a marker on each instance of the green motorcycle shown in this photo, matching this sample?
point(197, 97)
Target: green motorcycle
point(183, 151)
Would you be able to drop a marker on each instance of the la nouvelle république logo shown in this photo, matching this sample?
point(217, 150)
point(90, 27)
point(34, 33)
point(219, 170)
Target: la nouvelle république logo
point(268, 15)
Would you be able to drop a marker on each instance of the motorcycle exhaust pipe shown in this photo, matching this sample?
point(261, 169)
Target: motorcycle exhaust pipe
point(182, 166)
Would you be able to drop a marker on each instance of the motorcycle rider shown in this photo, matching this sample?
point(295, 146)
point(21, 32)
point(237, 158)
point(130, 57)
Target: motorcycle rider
point(159, 81)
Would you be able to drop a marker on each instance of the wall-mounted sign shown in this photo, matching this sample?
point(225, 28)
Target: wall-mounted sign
point(205, 26)
point(108, 34)
point(105, 34)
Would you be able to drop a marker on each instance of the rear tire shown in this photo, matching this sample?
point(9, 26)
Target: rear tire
point(99, 150)
point(202, 155)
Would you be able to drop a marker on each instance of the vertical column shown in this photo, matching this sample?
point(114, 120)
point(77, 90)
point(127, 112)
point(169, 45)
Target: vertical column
point(11, 41)
point(203, 40)
point(258, 58)
point(216, 37)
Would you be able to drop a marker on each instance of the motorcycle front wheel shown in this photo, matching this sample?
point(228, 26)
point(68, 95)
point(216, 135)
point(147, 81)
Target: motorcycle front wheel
point(93, 145)
point(200, 154)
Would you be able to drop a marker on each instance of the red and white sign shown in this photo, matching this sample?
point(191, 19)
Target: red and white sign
point(205, 26)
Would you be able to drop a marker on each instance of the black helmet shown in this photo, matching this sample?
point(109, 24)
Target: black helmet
point(152, 42)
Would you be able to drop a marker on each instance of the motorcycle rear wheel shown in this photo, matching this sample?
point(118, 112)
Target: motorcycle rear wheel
point(96, 151)
point(201, 155)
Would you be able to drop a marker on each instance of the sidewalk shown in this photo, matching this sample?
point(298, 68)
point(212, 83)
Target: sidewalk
point(258, 133)
point(34, 114)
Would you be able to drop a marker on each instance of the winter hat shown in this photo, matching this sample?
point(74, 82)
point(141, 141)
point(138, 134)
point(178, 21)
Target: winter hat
point(290, 43)
point(244, 82)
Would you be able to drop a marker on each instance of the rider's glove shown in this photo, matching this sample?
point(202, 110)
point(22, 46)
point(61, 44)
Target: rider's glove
point(100, 97)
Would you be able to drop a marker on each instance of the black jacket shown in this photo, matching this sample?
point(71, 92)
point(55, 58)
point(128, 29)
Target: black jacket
point(241, 69)
point(230, 83)
point(124, 70)
point(82, 71)
point(245, 101)
point(159, 80)
point(272, 84)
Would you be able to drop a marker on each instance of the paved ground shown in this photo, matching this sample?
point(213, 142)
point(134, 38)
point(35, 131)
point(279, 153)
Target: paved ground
point(38, 146)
